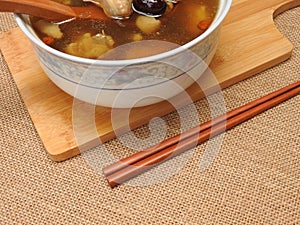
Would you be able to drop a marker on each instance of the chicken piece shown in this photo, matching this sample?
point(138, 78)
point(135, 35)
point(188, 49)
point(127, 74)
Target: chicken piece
point(49, 29)
point(147, 25)
point(116, 9)
point(89, 46)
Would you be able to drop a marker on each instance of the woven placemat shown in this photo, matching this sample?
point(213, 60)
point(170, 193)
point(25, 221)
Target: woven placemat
point(250, 175)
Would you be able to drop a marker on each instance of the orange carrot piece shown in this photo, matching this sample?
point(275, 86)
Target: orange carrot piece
point(48, 40)
point(204, 24)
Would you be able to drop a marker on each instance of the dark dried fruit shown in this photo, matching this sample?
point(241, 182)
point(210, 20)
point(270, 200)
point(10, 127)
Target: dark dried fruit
point(149, 7)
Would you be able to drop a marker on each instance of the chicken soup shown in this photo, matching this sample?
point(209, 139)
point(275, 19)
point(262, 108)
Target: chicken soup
point(175, 21)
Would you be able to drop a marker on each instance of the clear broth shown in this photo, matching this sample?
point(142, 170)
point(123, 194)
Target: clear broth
point(178, 26)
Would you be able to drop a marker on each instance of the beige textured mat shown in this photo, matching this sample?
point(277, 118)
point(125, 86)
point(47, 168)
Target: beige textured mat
point(254, 178)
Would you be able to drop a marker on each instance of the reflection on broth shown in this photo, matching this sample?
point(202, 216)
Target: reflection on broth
point(180, 22)
point(138, 49)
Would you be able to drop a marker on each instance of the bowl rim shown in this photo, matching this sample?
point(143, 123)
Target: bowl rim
point(223, 9)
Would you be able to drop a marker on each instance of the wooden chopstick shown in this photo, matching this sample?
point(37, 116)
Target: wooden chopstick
point(171, 141)
point(139, 162)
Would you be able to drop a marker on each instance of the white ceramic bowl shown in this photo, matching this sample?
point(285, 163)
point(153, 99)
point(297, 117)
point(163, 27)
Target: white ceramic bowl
point(129, 83)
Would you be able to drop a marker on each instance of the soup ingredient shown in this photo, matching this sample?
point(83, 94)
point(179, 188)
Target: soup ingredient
point(48, 40)
point(204, 24)
point(196, 13)
point(148, 25)
point(89, 38)
point(48, 28)
point(170, 6)
point(149, 7)
point(89, 46)
point(137, 37)
point(116, 9)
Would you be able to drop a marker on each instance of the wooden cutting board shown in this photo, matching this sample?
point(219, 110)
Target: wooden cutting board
point(249, 44)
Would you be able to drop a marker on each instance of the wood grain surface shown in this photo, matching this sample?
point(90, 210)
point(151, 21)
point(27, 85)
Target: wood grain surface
point(249, 43)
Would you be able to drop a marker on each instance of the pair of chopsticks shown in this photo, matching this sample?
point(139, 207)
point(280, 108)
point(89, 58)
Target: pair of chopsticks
point(139, 162)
